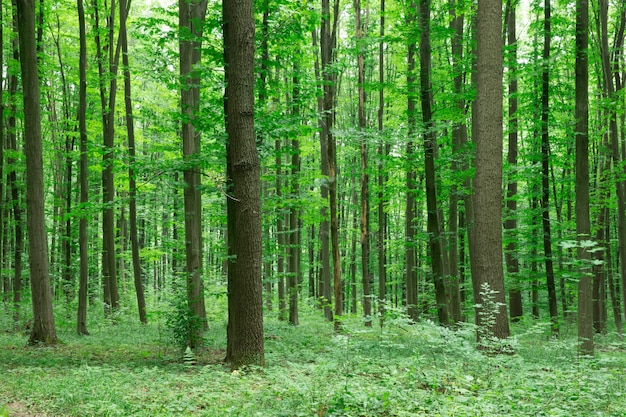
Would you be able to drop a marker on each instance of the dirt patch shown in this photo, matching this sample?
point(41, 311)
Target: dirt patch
point(18, 409)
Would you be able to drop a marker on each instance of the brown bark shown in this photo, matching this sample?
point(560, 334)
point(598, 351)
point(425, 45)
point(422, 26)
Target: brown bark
point(245, 344)
point(430, 144)
point(382, 176)
point(43, 330)
point(583, 224)
point(81, 316)
point(132, 172)
point(510, 223)
point(191, 17)
point(486, 259)
point(365, 206)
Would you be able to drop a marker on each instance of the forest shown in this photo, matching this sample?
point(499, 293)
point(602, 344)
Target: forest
point(312, 208)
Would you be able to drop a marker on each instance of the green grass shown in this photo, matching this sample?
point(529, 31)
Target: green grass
point(126, 369)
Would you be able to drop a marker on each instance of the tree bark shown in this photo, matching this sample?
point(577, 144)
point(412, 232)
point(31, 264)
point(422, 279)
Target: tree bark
point(545, 170)
point(132, 171)
point(245, 344)
point(191, 18)
point(43, 330)
point(486, 260)
point(583, 223)
point(430, 144)
point(365, 206)
point(83, 282)
point(510, 223)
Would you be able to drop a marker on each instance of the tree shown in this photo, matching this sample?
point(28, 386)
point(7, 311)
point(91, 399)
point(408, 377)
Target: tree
point(107, 105)
point(191, 17)
point(545, 168)
point(510, 223)
point(583, 227)
point(365, 208)
point(327, 46)
point(486, 261)
point(132, 171)
point(43, 329)
point(81, 319)
point(245, 344)
point(430, 143)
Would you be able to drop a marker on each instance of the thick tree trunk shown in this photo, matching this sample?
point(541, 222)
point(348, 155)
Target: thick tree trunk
point(245, 344)
point(43, 330)
point(486, 262)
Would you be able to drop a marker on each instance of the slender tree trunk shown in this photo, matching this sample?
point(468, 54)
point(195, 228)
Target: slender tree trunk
point(583, 224)
point(365, 233)
point(510, 223)
point(409, 210)
point(459, 135)
point(12, 186)
point(486, 262)
point(81, 319)
point(132, 172)
point(109, 267)
point(294, 211)
point(382, 175)
point(281, 238)
point(430, 144)
point(43, 330)
point(324, 232)
point(327, 45)
point(545, 168)
point(191, 17)
point(245, 345)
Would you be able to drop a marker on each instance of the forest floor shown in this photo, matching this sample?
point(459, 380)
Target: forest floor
point(401, 369)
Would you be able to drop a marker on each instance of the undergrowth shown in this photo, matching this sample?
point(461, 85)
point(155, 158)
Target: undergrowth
point(400, 369)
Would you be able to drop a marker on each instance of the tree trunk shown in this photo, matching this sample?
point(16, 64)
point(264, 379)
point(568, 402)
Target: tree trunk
point(132, 172)
point(583, 226)
point(245, 344)
point(434, 231)
point(191, 19)
point(294, 211)
point(486, 262)
point(81, 319)
point(327, 46)
point(382, 175)
point(324, 232)
point(545, 171)
point(43, 330)
point(510, 223)
point(365, 219)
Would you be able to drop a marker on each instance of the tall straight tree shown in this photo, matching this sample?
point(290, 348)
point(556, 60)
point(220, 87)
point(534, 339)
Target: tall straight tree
point(43, 330)
point(382, 152)
point(328, 44)
point(245, 344)
point(107, 105)
point(510, 223)
point(191, 15)
point(81, 319)
point(583, 223)
point(486, 261)
point(430, 144)
point(132, 171)
point(365, 208)
point(545, 166)
point(411, 176)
